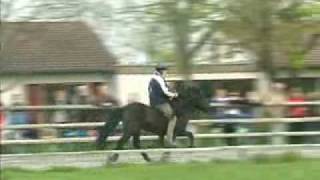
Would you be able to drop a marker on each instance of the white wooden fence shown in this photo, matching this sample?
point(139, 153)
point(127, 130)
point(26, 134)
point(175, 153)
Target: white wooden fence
point(179, 155)
point(115, 138)
point(108, 106)
point(99, 158)
point(195, 122)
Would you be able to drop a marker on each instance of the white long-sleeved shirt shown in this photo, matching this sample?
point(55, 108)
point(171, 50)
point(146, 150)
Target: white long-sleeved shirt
point(156, 76)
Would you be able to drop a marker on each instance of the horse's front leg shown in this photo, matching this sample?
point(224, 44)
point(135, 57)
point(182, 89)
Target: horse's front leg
point(189, 135)
point(161, 141)
point(191, 138)
point(166, 155)
point(136, 145)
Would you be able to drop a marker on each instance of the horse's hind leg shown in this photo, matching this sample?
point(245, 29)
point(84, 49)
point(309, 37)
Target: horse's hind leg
point(136, 144)
point(124, 138)
point(101, 140)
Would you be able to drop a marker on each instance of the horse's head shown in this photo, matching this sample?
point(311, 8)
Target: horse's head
point(192, 97)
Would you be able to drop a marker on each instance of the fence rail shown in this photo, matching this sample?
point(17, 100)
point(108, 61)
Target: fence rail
point(109, 105)
point(307, 103)
point(163, 150)
point(195, 122)
point(93, 159)
point(145, 138)
point(56, 107)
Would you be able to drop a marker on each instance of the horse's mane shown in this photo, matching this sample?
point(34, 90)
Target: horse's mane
point(182, 105)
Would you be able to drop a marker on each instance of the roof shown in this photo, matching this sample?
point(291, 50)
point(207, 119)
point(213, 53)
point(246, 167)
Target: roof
point(196, 69)
point(32, 47)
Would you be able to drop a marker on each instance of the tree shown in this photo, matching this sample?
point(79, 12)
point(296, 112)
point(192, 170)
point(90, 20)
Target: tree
point(270, 27)
point(177, 30)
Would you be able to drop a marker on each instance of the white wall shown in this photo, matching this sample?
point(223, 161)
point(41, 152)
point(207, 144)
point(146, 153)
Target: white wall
point(17, 83)
point(7, 95)
point(137, 84)
point(218, 76)
point(132, 85)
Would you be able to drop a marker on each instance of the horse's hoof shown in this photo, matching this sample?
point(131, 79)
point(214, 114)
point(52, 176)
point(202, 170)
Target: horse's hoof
point(172, 146)
point(165, 157)
point(113, 157)
point(146, 157)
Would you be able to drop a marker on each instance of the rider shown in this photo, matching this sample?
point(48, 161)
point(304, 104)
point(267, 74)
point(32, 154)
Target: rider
point(159, 96)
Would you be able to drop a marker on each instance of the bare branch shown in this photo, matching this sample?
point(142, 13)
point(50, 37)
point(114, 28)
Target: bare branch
point(202, 41)
point(312, 42)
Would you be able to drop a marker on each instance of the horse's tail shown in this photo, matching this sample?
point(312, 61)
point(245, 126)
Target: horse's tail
point(115, 117)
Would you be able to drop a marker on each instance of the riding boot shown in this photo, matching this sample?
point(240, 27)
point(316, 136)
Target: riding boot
point(170, 132)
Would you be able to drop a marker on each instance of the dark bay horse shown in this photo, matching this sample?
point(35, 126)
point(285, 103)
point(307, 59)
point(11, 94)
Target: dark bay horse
point(137, 117)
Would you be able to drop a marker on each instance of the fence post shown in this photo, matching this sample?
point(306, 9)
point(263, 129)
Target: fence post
point(279, 127)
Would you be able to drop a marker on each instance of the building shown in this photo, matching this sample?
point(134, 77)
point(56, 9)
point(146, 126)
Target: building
point(39, 57)
point(238, 76)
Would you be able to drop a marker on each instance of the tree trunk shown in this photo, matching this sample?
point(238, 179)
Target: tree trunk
point(263, 83)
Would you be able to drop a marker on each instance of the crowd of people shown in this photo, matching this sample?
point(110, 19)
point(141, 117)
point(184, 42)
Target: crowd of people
point(96, 94)
point(246, 105)
point(249, 106)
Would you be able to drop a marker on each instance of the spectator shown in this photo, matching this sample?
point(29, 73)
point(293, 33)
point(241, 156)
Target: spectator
point(104, 96)
point(2, 122)
point(100, 95)
point(241, 108)
point(314, 96)
point(232, 112)
point(275, 98)
point(297, 96)
point(229, 112)
point(220, 97)
point(82, 98)
point(19, 118)
point(253, 101)
point(249, 110)
point(313, 126)
point(60, 116)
